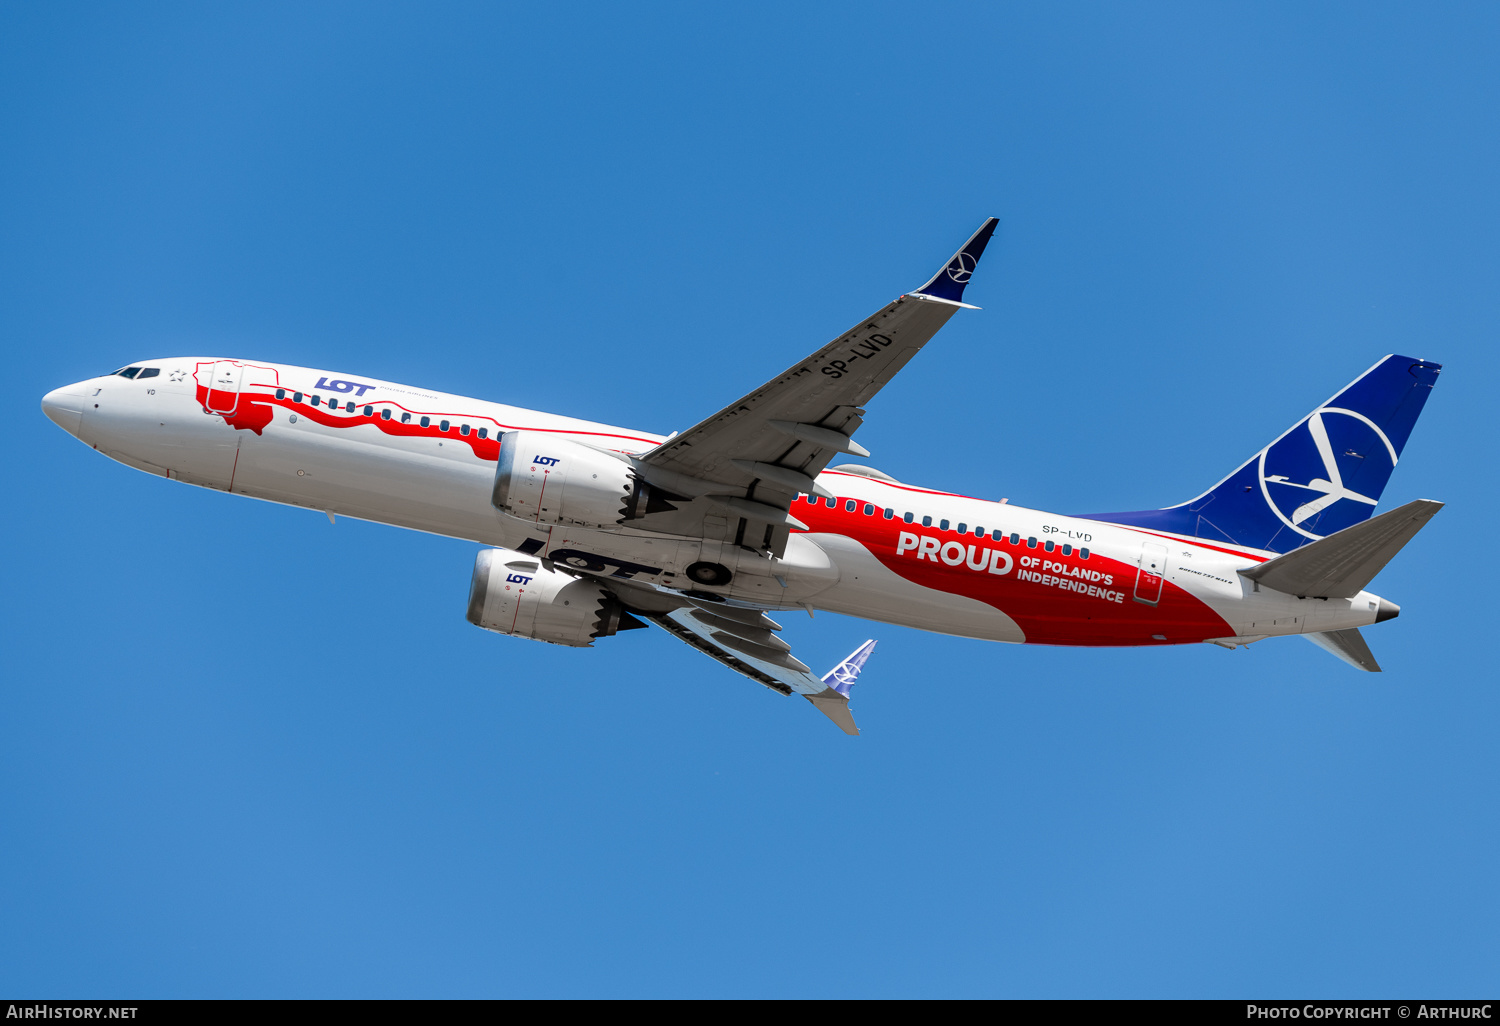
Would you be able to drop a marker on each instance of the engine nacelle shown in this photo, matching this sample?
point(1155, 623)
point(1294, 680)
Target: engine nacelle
point(546, 479)
point(542, 604)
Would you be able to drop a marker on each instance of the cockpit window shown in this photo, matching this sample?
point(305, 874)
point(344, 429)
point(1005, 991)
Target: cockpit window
point(128, 372)
point(149, 372)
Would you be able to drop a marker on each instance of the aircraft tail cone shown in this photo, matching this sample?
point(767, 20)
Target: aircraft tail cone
point(1387, 611)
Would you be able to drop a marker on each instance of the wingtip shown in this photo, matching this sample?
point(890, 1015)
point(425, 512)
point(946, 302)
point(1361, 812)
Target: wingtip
point(948, 284)
point(845, 675)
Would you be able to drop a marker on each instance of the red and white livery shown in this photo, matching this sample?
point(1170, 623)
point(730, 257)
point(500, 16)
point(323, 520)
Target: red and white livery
point(590, 529)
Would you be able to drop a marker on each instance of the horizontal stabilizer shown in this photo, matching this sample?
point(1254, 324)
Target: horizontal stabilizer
point(1340, 565)
point(1347, 645)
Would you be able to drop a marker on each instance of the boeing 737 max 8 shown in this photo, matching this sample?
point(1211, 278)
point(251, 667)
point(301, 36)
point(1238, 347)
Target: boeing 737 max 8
point(590, 529)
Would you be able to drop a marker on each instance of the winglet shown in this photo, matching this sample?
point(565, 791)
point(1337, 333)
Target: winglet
point(843, 676)
point(948, 284)
point(833, 701)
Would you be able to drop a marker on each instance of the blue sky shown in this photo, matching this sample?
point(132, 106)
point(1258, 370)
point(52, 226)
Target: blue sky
point(248, 753)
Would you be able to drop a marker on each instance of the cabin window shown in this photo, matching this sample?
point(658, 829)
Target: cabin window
point(832, 502)
point(296, 397)
point(443, 425)
point(849, 505)
point(1067, 550)
point(463, 429)
point(281, 393)
point(426, 421)
point(349, 406)
point(942, 525)
point(1015, 539)
point(869, 509)
point(1083, 553)
point(484, 432)
point(406, 418)
point(385, 414)
point(926, 521)
point(889, 514)
point(1048, 546)
point(963, 528)
point(317, 400)
point(149, 372)
point(369, 411)
point(907, 517)
point(1031, 543)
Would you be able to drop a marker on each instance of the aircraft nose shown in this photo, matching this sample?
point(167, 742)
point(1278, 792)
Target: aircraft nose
point(1387, 611)
point(64, 407)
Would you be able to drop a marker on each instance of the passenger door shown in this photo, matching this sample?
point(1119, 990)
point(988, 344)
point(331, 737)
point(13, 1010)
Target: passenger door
point(1148, 579)
point(224, 387)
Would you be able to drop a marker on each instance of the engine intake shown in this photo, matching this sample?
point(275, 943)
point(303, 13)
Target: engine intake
point(527, 600)
point(545, 479)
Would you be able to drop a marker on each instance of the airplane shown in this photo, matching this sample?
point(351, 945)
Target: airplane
point(590, 529)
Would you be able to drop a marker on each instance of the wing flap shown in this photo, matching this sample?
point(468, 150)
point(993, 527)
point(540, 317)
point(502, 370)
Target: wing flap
point(780, 671)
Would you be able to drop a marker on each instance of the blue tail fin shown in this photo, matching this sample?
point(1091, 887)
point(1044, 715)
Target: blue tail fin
point(1324, 474)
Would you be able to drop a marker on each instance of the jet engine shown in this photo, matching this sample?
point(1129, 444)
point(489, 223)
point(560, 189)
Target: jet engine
point(545, 479)
point(525, 599)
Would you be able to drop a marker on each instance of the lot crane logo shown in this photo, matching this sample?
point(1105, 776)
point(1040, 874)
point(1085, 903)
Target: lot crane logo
point(1319, 477)
point(961, 267)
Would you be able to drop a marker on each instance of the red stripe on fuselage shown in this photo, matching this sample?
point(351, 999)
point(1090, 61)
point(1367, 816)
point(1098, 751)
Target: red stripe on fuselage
point(1054, 599)
point(253, 413)
point(1191, 541)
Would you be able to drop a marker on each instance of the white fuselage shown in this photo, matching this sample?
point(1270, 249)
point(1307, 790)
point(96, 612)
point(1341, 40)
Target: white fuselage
point(378, 462)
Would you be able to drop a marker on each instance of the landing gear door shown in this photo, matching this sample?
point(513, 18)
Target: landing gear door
point(1148, 579)
point(223, 387)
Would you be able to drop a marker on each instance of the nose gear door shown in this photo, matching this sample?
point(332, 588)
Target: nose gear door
point(1148, 579)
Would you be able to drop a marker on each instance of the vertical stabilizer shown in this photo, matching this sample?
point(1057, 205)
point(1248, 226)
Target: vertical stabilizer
point(1324, 474)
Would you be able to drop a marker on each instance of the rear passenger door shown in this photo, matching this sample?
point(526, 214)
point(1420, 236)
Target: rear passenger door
point(1152, 568)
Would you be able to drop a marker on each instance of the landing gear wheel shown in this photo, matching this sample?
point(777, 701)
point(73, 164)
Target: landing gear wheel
point(709, 573)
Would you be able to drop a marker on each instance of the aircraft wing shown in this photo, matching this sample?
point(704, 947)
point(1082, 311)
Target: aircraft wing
point(744, 640)
point(755, 456)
